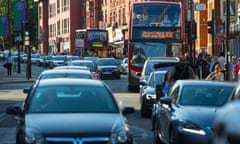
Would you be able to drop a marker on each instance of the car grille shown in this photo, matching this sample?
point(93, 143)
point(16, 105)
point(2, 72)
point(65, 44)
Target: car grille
point(92, 140)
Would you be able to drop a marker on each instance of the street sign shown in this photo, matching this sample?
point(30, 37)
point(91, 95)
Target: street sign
point(19, 14)
point(200, 6)
point(3, 25)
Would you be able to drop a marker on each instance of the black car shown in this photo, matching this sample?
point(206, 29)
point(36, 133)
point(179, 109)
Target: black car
point(108, 67)
point(186, 115)
point(148, 93)
point(70, 111)
point(156, 64)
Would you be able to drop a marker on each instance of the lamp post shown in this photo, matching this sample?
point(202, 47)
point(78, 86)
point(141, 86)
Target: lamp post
point(190, 20)
point(8, 12)
point(227, 50)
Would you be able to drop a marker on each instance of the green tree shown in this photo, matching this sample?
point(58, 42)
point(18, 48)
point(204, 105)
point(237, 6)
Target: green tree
point(32, 13)
point(6, 9)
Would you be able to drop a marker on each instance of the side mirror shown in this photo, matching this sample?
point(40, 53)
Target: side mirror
point(142, 83)
point(14, 110)
point(27, 90)
point(128, 110)
point(167, 100)
point(138, 73)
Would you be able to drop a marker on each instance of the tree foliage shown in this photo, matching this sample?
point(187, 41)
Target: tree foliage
point(32, 10)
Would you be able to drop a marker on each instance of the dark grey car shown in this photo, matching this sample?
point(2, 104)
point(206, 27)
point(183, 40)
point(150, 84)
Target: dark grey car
point(71, 111)
point(187, 114)
point(108, 67)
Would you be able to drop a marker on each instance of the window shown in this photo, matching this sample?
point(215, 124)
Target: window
point(174, 95)
point(65, 26)
point(65, 5)
point(58, 6)
point(58, 27)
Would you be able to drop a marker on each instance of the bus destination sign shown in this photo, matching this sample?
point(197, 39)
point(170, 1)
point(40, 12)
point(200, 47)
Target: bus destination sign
point(173, 34)
point(160, 35)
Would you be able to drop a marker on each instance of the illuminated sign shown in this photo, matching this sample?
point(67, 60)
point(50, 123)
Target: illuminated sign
point(160, 35)
point(97, 44)
point(154, 33)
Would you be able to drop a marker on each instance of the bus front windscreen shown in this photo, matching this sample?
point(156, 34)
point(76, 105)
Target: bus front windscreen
point(140, 51)
point(157, 15)
point(95, 35)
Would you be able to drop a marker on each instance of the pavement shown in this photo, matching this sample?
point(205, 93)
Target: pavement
point(15, 77)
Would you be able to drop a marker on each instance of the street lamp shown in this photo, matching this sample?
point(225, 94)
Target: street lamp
point(227, 50)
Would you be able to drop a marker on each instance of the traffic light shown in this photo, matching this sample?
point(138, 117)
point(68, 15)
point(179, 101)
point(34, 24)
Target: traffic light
point(211, 27)
point(26, 33)
point(194, 30)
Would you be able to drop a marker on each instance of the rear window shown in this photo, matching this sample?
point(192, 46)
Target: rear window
point(150, 67)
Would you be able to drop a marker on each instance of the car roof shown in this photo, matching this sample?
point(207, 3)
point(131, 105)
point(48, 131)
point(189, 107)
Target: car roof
point(192, 82)
point(160, 72)
point(164, 58)
point(53, 71)
point(70, 81)
point(83, 61)
point(106, 59)
point(72, 67)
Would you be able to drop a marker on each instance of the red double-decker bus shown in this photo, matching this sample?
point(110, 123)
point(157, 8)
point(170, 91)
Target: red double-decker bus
point(156, 28)
point(92, 42)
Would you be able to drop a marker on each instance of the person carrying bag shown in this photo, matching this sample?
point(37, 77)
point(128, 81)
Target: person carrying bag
point(9, 62)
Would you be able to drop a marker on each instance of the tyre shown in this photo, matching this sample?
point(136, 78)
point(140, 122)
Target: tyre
point(118, 76)
point(155, 134)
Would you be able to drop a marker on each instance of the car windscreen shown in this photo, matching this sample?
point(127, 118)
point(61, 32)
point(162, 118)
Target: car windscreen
point(205, 95)
point(72, 99)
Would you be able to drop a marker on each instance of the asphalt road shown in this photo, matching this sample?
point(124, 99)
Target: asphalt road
point(11, 94)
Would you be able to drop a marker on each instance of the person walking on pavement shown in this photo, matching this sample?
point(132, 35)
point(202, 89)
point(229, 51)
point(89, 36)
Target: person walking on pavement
point(9, 62)
point(181, 71)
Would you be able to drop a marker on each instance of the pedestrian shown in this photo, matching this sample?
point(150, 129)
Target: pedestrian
point(181, 71)
point(204, 61)
point(163, 87)
point(236, 70)
point(233, 63)
point(222, 60)
point(216, 74)
point(9, 63)
point(214, 61)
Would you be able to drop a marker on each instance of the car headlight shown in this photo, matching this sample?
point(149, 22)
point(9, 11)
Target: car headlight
point(151, 96)
point(191, 128)
point(33, 136)
point(118, 135)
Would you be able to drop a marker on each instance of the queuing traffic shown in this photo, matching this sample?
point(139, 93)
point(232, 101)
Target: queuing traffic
point(184, 112)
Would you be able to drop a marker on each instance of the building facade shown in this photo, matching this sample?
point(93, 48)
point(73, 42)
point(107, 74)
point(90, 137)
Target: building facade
point(58, 20)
